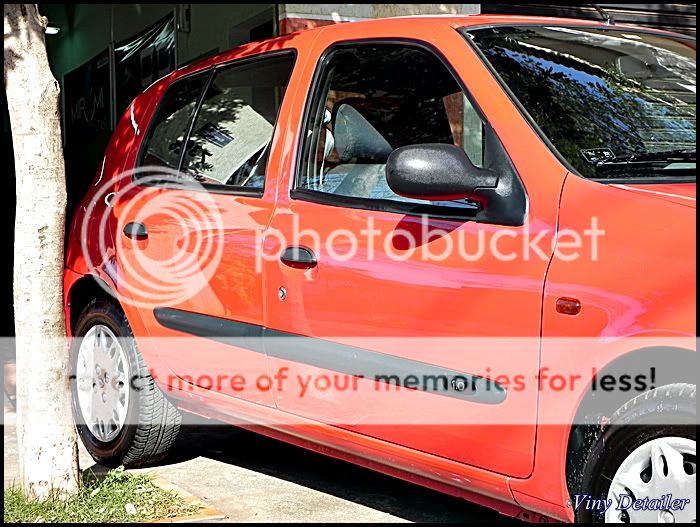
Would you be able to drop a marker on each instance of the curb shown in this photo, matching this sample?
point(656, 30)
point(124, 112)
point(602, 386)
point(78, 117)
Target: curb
point(206, 513)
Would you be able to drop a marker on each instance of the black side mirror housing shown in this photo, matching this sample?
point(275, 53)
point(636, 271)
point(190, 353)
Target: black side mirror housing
point(443, 172)
point(436, 172)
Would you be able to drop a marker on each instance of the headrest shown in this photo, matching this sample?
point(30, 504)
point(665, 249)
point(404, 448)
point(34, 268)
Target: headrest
point(356, 139)
point(329, 145)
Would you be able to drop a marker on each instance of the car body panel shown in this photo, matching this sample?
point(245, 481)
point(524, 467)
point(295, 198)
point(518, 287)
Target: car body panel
point(341, 299)
point(630, 299)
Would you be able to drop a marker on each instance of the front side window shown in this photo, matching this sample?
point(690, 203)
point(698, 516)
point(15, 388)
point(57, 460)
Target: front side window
point(231, 135)
point(372, 99)
point(616, 104)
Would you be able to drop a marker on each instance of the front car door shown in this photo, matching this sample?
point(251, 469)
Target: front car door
point(373, 309)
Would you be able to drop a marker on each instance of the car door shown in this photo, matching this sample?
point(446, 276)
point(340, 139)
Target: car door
point(355, 309)
point(193, 216)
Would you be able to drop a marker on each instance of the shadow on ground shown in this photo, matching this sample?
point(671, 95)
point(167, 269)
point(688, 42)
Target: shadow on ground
point(260, 454)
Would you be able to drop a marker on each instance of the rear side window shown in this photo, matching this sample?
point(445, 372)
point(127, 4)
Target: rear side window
point(372, 99)
point(170, 124)
point(230, 139)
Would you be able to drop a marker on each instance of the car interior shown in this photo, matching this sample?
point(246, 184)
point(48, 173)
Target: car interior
point(407, 97)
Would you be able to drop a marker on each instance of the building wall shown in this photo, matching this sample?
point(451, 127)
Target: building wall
point(674, 17)
point(297, 17)
point(87, 29)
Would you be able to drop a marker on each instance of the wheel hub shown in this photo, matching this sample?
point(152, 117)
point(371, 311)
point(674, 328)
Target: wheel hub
point(103, 391)
point(653, 476)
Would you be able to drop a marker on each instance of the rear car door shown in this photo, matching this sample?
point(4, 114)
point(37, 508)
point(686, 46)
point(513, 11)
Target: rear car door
point(364, 301)
point(192, 218)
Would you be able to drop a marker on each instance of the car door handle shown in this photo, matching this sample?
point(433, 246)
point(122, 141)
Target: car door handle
point(135, 230)
point(299, 258)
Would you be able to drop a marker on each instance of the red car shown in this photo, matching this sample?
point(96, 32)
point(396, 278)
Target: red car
point(457, 250)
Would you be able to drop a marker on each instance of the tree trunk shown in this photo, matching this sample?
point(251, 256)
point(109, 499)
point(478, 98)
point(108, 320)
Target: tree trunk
point(48, 461)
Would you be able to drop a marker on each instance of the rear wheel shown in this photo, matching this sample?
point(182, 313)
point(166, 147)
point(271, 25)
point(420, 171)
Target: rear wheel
point(122, 416)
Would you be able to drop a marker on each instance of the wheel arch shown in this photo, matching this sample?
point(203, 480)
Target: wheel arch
point(670, 365)
point(82, 292)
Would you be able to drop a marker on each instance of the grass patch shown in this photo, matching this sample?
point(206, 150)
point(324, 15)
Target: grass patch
point(115, 497)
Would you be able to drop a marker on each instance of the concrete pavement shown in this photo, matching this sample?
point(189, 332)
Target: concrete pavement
point(251, 478)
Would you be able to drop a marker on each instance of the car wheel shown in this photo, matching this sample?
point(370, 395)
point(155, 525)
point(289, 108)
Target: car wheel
point(647, 451)
point(121, 415)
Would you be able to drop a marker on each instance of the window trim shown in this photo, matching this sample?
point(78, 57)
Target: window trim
point(466, 32)
point(211, 71)
point(438, 212)
point(384, 205)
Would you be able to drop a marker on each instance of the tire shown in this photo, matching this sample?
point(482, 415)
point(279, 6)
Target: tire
point(151, 423)
point(632, 429)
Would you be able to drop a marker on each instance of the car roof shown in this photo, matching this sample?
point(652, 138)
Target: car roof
point(479, 20)
point(455, 21)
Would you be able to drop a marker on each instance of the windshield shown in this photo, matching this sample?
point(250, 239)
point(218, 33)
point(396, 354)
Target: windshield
point(616, 104)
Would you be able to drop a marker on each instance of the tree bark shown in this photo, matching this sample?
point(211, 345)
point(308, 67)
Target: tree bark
point(48, 461)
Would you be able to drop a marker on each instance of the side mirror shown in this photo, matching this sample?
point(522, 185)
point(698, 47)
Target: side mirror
point(437, 172)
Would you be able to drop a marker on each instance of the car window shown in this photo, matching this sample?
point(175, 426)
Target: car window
point(372, 99)
point(230, 139)
point(167, 133)
point(616, 104)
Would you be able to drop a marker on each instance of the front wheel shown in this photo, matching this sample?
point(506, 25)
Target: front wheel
point(643, 467)
point(122, 417)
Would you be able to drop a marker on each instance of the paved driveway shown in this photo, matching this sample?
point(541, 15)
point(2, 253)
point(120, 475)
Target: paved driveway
point(251, 478)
